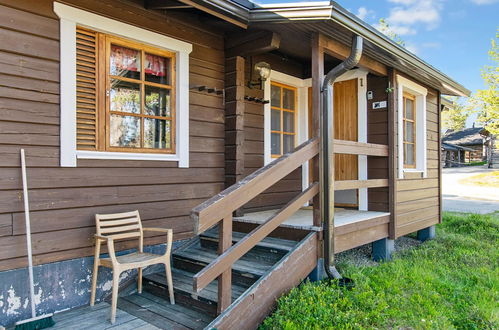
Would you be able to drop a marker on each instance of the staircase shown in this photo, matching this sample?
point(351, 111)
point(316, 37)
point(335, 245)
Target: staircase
point(194, 256)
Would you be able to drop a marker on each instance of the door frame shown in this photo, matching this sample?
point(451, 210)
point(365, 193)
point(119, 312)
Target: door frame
point(361, 76)
point(301, 86)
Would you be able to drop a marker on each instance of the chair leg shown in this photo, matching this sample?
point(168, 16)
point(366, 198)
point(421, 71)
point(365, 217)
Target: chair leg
point(94, 281)
point(170, 281)
point(114, 303)
point(139, 281)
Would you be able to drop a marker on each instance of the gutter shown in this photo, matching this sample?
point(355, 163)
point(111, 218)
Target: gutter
point(326, 157)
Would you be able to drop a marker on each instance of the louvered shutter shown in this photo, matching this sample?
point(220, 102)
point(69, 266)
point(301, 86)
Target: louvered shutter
point(86, 89)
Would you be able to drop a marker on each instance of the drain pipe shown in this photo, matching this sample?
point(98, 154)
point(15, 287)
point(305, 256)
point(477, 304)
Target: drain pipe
point(327, 153)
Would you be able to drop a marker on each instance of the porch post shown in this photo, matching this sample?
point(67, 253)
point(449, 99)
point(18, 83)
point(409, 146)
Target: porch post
point(317, 76)
point(392, 149)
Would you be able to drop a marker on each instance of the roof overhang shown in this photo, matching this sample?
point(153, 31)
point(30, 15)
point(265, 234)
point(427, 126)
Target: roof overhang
point(325, 17)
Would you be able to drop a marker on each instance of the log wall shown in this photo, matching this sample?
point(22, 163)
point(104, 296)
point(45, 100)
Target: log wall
point(64, 200)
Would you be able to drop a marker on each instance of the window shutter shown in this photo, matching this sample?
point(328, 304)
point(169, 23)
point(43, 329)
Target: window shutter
point(86, 89)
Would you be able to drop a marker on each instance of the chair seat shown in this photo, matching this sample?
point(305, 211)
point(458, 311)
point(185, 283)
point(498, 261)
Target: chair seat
point(133, 258)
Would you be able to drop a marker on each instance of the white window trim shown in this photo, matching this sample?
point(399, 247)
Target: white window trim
point(361, 76)
point(406, 85)
point(302, 86)
point(69, 18)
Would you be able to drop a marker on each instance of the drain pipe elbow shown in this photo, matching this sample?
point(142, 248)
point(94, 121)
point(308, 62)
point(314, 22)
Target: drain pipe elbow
point(327, 153)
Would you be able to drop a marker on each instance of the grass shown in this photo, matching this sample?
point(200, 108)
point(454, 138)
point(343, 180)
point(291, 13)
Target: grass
point(490, 179)
point(451, 282)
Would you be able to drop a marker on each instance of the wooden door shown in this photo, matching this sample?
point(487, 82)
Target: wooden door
point(346, 128)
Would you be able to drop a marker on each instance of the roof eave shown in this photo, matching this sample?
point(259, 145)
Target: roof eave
point(332, 11)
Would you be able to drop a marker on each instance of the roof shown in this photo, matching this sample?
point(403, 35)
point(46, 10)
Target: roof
point(327, 17)
point(453, 147)
point(466, 137)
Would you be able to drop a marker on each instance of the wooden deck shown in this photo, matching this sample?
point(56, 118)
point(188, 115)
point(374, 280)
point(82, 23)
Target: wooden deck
point(352, 227)
point(137, 311)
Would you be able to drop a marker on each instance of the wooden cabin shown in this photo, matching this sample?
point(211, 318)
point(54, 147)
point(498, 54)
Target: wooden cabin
point(206, 117)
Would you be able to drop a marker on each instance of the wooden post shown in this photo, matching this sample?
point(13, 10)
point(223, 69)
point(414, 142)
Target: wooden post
point(392, 147)
point(317, 78)
point(234, 121)
point(439, 109)
point(224, 280)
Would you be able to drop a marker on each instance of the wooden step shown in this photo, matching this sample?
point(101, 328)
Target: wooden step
point(205, 301)
point(245, 271)
point(160, 313)
point(267, 245)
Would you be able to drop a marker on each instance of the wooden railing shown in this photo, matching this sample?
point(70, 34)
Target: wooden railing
point(365, 149)
point(220, 208)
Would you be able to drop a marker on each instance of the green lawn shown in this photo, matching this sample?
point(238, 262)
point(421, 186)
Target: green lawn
point(450, 282)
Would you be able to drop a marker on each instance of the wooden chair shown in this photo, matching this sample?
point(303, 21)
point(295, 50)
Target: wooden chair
point(112, 227)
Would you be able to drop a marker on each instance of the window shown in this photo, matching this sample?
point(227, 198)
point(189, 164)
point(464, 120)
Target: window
point(411, 107)
point(283, 102)
point(124, 91)
point(137, 109)
point(409, 118)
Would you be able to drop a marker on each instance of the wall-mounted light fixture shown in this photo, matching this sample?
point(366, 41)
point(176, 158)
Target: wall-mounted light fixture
point(263, 70)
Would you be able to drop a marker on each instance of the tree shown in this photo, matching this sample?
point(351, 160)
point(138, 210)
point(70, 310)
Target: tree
point(454, 117)
point(385, 28)
point(486, 101)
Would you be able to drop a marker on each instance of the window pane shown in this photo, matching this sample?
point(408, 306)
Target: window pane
point(288, 119)
point(124, 62)
point(157, 133)
point(409, 154)
point(157, 101)
point(125, 96)
point(157, 69)
point(275, 144)
point(288, 99)
point(289, 143)
point(275, 96)
point(124, 131)
point(409, 109)
point(275, 120)
point(409, 131)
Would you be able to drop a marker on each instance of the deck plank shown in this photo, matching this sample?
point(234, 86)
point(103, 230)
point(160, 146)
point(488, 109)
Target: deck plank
point(91, 318)
point(165, 311)
point(148, 316)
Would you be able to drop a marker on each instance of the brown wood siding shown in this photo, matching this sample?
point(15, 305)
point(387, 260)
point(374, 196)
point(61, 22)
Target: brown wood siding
point(64, 200)
point(377, 132)
point(418, 201)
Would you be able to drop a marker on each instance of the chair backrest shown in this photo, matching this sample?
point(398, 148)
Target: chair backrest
point(119, 225)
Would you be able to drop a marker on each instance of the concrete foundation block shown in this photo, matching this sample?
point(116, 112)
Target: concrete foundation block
point(318, 273)
point(426, 233)
point(382, 249)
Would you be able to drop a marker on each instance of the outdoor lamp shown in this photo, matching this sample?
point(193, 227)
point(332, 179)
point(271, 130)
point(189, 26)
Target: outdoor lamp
point(263, 69)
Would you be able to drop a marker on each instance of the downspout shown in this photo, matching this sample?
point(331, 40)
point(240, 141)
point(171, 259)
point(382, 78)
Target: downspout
point(327, 153)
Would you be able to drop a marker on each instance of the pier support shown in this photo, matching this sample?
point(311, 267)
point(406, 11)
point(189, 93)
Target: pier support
point(382, 249)
point(426, 233)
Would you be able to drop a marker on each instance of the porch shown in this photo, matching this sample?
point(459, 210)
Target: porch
point(353, 228)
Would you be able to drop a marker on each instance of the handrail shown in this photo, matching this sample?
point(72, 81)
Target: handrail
point(226, 259)
point(209, 213)
point(220, 207)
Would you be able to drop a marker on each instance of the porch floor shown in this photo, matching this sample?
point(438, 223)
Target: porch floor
point(302, 219)
point(137, 311)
